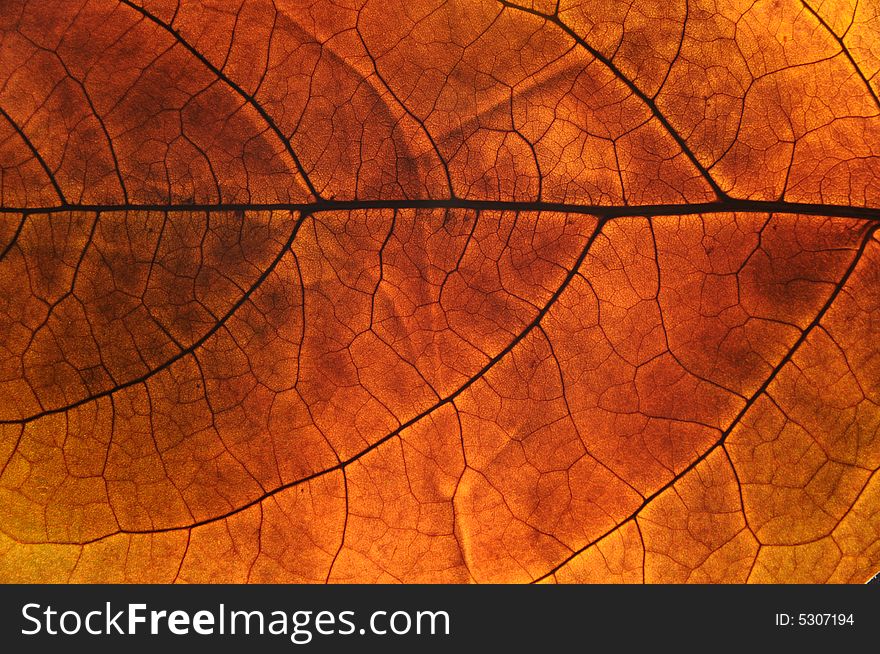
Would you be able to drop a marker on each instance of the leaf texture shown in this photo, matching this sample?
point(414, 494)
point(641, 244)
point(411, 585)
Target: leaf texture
point(450, 291)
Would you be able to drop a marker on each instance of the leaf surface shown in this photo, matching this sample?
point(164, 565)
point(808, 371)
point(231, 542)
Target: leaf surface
point(466, 291)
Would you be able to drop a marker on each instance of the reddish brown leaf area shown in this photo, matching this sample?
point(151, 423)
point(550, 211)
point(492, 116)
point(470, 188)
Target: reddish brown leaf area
point(450, 291)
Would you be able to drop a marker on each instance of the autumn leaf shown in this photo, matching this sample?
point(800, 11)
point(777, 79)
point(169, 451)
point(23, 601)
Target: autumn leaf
point(441, 291)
